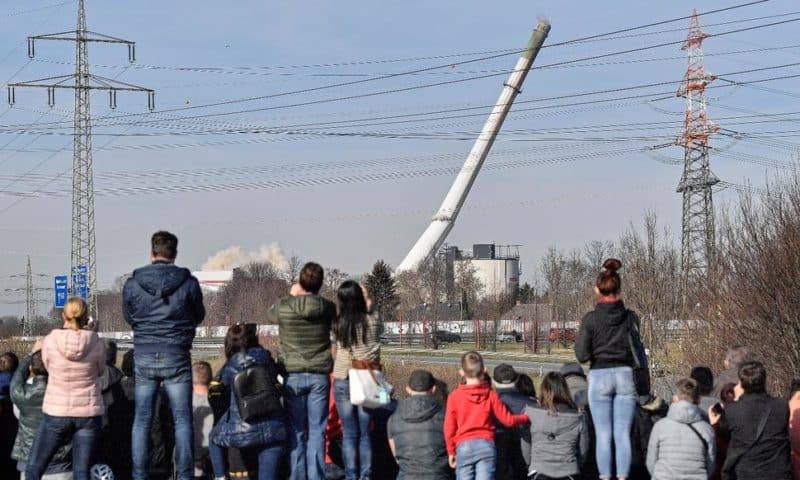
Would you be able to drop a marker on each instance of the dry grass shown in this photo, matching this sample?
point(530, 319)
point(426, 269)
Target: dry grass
point(19, 347)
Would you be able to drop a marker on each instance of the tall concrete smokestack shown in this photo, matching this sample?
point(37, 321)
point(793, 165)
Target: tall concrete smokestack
point(436, 233)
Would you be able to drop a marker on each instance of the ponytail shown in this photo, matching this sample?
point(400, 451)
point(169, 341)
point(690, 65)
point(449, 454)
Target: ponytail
point(609, 283)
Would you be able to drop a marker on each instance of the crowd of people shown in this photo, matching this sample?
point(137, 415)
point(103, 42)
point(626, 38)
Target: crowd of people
point(67, 411)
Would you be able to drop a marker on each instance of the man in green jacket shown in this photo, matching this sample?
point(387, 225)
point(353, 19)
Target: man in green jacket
point(304, 321)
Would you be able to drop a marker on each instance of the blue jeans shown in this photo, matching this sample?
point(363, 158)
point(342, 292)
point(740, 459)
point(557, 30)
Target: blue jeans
point(475, 460)
point(269, 459)
point(174, 372)
point(307, 396)
point(54, 432)
point(612, 399)
point(356, 448)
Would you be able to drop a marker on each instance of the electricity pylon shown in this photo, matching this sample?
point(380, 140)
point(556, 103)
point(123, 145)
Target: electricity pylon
point(83, 264)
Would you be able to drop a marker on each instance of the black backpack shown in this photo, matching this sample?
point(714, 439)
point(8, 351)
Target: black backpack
point(258, 393)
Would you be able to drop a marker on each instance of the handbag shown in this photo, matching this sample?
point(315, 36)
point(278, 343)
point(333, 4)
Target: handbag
point(368, 386)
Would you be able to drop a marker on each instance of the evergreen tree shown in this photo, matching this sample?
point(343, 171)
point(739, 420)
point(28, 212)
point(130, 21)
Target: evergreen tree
point(383, 290)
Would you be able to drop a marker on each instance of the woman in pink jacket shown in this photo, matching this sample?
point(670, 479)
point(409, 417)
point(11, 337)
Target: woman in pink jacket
point(73, 404)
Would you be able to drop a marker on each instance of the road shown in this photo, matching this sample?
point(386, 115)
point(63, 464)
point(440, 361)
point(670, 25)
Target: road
point(526, 366)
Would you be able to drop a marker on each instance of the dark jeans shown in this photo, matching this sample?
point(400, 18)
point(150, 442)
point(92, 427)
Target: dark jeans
point(54, 432)
point(307, 396)
point(174, 371)
point(540, 476)
point(356, 448)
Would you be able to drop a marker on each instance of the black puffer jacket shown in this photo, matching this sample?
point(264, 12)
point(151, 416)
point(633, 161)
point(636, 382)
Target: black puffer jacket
point(603, 339)
point(417, 429)
point(164, 305)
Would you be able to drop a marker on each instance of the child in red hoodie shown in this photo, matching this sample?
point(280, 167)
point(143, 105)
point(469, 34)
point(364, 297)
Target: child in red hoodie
point(469, 422)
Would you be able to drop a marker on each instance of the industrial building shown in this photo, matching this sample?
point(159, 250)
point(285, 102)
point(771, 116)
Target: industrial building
point(496, 266)
point(213, 281)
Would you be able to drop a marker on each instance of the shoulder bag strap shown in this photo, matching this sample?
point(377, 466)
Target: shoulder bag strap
point(702, 440)
point(762, 424)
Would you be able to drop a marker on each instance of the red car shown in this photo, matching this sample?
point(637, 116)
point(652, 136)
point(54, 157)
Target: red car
point(563, 335)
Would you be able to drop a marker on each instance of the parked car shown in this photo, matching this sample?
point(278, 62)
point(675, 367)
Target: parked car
point(443, 336)
point(563, 335)
point(506, 337)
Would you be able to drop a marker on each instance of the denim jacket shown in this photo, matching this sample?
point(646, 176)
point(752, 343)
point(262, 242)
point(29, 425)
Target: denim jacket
point(232, 431)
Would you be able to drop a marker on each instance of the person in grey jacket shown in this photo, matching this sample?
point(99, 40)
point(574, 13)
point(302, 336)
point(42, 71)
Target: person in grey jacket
point(559, 432)
point(682, 444)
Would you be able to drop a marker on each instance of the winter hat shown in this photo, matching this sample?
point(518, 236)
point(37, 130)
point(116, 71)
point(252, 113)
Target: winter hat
point(421, 381)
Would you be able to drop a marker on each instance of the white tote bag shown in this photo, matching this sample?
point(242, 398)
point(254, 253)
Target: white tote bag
point(369, 388)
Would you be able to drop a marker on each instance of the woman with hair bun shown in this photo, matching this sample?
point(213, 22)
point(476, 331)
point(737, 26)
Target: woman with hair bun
point(75, 358)
point(604, 341)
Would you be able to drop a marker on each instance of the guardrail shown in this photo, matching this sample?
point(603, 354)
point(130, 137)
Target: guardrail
point(393, 351)
point(390, 351)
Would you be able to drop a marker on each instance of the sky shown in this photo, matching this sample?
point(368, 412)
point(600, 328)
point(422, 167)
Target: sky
point(349, 174)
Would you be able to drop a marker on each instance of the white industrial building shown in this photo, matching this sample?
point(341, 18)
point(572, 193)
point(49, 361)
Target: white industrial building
point(496, 266)
point(213, 281)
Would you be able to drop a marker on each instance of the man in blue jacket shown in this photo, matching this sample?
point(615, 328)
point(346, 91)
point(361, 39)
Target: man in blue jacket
point(164, 305)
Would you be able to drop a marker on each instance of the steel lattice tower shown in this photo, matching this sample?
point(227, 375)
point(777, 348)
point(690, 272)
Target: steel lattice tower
point(30, 302)
point(83, 83)
point(698, 240)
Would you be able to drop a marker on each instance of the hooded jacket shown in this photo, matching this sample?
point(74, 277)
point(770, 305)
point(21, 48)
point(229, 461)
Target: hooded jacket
point(675, 451)
point(603, 339)
point(75, 361)
point(304, 325)
point(164, 305)
point(559, 441)
point(576, 381)
point(28, 397)
point(471, 413)
point(416, 428)
point(513, 445)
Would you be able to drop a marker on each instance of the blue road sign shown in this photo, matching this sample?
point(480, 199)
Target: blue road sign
point(61, 290)
point(80, 286)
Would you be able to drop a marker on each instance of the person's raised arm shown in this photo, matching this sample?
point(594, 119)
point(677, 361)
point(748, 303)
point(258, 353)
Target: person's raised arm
point(17, 390)
point(502, 414)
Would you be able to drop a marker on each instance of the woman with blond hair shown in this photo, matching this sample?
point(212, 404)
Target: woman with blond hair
point(73, 404)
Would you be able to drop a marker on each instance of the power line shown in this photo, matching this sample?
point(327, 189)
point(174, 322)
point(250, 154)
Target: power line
point(398, 90)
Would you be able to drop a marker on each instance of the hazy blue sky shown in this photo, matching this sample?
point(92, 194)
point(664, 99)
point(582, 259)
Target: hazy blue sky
point(535, 191)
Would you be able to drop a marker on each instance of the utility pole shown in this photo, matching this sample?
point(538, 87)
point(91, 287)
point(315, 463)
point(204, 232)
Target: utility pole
point(30, 302)
point(83, 264)
point(697, 230)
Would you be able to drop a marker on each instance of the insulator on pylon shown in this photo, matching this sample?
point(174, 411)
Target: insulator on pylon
point(51, 97)
point(112, 99)
point(31, 47)
point(132, 52)
point(11, 96)
point(151, 100)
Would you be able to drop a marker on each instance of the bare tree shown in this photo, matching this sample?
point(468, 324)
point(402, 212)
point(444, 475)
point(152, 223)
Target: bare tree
point(293, 267)
point(751, 292)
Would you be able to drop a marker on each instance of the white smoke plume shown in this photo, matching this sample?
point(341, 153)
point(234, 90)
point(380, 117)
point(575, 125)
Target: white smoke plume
point(234, 256)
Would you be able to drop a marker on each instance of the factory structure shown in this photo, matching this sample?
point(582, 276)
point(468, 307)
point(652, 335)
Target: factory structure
point(496, 266)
